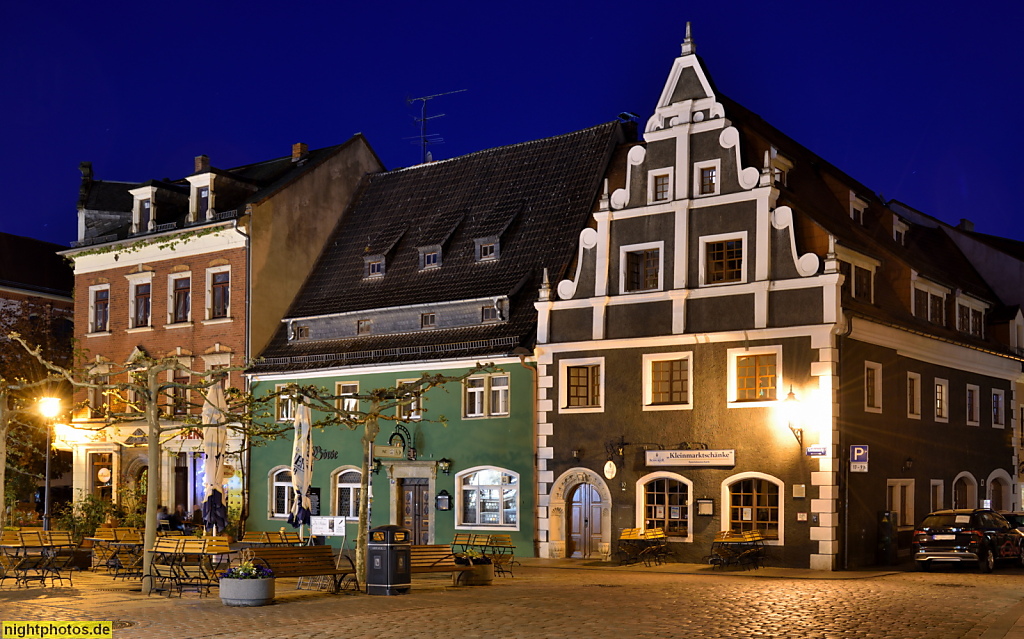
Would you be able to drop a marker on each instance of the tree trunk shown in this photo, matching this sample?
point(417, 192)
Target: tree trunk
point(370, 430)
point(4, 426)
point(153, 481)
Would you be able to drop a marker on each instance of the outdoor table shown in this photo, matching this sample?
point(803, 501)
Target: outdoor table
point(22, 558)
point(127, 558)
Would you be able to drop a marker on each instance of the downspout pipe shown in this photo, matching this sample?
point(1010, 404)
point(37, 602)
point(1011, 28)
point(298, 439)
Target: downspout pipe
point(247, 354)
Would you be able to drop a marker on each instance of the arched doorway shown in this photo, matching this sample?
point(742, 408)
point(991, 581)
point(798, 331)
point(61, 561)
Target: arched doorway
point(584, 524)
point(560, 510)
point(997, 492)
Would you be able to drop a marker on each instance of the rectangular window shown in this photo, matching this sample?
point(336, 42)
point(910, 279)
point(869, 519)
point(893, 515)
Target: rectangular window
point(935, 500)
point(724, 261)
point(431, 259)
point(670, 381)
point(921, 304)
point(642, 270)
point(666, 506)
point(145, 215)
point(376, 268)
point(428, 320)
point(202, 202)
point(862, 284)
point(914, 395)
point(363, 327)
point(350, 404)
point(963, 318)
point(489, 314)
point(220, 294)
point(937, 309)
point(661, 183)
point(475, 396)
point(754, 505)
point(97, 396)
point(100, 310)
point(499, 395)
point(300, 332)
point(998, 418)
point(872, 387)
point(285, 406)
point(977, 322)
point(412, 408)
point(180, 395)
point(900, 498)
point(487, 251)
point(755, 378)
point(708, 180)
point(584, 385)
point(973, 412)
point(142, 305)
point(181, 300)
point(941, 400)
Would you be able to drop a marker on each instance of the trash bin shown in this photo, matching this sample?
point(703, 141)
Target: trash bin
point(885, 555)
point(387, 561)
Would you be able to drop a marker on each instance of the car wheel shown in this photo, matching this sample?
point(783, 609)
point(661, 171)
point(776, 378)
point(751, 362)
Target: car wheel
point(924, 566)
point(987, 561)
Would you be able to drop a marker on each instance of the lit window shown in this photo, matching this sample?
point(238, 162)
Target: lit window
point(282, 493)
point(666, 506)
point(584, 385)
point(347, 501)
point(724, 261)
point(755, 377)
point(941, 400)
point(488, 498)
point(754, 505)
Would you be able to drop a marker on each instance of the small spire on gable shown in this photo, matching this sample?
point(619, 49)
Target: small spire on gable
point(689, 48)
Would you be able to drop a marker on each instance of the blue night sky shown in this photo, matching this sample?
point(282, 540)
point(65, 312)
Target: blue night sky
point(917, 100)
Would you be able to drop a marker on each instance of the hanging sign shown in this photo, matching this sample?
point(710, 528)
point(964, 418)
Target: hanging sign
point(392, 452)
point(690, 457)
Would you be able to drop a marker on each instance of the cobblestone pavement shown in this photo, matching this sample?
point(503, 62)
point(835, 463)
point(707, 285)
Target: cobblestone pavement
point(551, 599)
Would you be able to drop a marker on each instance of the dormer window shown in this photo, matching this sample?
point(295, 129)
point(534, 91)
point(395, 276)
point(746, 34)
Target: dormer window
point(430, 257)
point(363, 327)
point(858, 274)
point(489, 314)
point(145, 215)
point(970, 316)
point(899, 230)
point(374, 266)
point(780, 167)
point(487, 249)
point(300, 332)
point(857, 209)
point(202, 202)
point(428, 320)
point(930, 301)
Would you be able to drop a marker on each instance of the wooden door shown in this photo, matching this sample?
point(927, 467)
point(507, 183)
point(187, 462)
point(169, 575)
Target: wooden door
point(415, 509)
point(584, 534)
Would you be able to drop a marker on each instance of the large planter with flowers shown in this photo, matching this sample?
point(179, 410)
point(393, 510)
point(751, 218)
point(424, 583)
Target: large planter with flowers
point(482, 573)
point(247, 585)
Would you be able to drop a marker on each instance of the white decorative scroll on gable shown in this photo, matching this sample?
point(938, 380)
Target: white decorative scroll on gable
point(730, 139)
point(807, 264)
point(636, 157)
point(588, 240)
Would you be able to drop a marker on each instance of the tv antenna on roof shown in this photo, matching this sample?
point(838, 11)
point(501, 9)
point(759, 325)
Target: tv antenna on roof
point(424, 138)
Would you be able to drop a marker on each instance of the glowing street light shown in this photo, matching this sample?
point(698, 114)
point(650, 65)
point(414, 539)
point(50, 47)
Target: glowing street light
point(49, 407)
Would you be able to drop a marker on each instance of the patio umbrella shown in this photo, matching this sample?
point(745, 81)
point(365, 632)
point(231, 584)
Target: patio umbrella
point(302, 466)
point(215, 510)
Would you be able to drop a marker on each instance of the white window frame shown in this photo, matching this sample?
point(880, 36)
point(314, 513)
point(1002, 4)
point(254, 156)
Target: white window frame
point(702, 266)
point(350, 404)
point(931, 289)
point(973, 413)
point(488, 405)
point(640, 516)
point(272, 485)
point(171, 279)
point(877, 368)
point(208, 313)
point(337, 487)
point(726, 503)
point(668, 172)
point(932, 492)
point(284, 406)
point(698, 168)
point(855, 259)
point(973, 305)
point(625, 250)
point(92, 308)
point(944, 385)
point(899, 230)
point(894, 501)
point(733, 355)
point(914, 403)
point(135, 280)
point(858, 208)
point(648, 380)
point(998, 408)
point(563, 384)
point(413, 411)
point(197, 183)
point(461, 525)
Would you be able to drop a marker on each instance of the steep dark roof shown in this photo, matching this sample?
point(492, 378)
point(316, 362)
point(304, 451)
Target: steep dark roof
point(535, 196)
point(34, 266)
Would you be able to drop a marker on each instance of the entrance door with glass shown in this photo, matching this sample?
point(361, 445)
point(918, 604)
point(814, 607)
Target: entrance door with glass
point(584, 534)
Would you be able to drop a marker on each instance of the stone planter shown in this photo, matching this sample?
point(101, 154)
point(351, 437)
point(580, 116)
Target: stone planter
point(246, 592)
point(480, 575)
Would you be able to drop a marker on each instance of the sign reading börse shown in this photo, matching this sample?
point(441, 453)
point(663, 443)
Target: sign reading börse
point(690, 457)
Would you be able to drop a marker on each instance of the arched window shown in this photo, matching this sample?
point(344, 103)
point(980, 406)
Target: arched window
point(487, 497)
point(663, 501)
point(754, 505)
point(346, 496)
point(281, 492)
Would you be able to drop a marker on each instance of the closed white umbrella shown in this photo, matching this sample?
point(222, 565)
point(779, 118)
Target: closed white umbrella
point(302, 467)
point(215, 513)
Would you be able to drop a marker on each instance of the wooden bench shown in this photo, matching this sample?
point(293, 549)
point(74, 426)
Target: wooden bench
point(434, 558)
point(306, 561)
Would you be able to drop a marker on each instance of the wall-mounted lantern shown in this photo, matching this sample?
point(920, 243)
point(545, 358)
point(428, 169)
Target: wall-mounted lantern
point(445, 466)
point(791, 408)
point(443, 501)
point(376, 466)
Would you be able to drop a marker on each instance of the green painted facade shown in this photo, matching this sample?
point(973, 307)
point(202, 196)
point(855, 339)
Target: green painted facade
point(504, 442)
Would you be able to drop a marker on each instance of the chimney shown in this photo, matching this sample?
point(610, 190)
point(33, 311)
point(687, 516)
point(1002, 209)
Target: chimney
point(299, 151)
point(83, 188)
point(202, 163)
point(965, 225)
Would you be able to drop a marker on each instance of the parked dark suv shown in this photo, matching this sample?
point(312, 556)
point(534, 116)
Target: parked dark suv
point(977, 535)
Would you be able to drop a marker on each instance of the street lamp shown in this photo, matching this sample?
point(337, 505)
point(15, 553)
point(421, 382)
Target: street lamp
point(49, 407)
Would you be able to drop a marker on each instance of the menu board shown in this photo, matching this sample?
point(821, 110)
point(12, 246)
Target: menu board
point(327, 526)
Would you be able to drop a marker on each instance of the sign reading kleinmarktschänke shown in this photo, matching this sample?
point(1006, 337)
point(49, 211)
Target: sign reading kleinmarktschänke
point(690, 457)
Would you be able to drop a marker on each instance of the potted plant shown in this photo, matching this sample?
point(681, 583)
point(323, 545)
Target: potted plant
point(482, 573)
point(247, 584)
